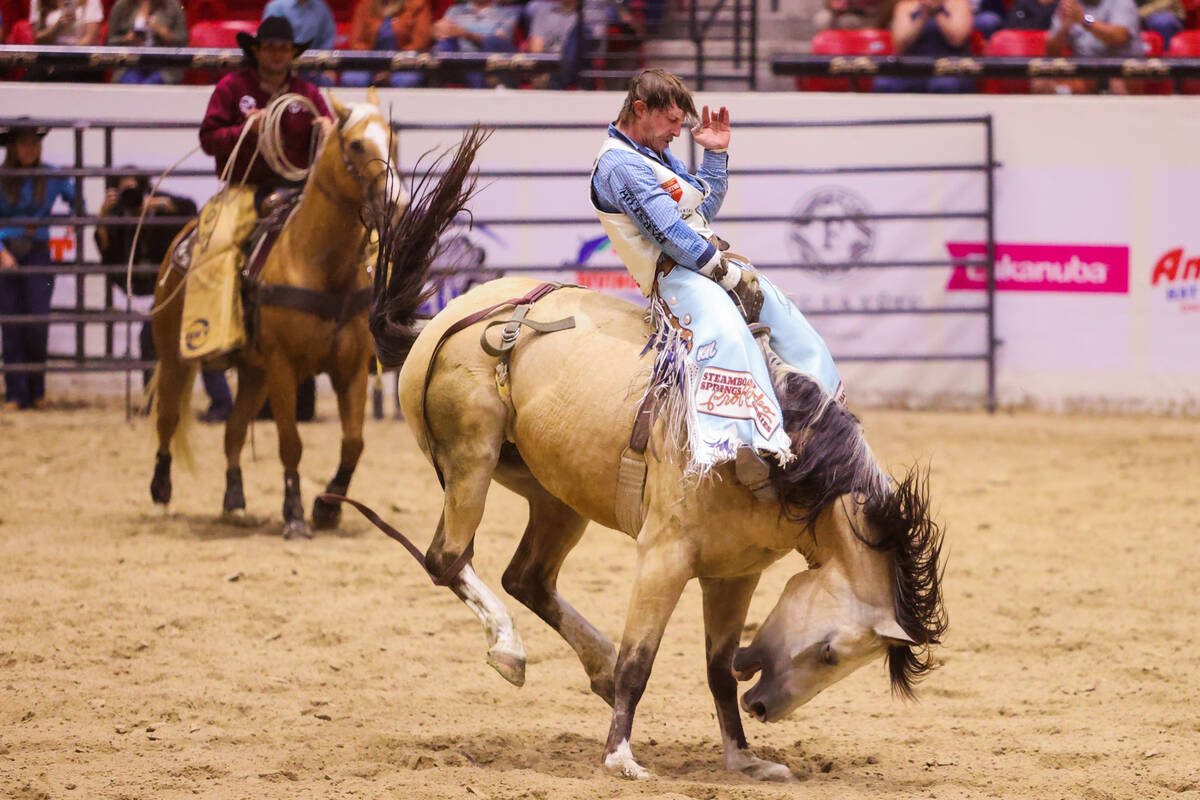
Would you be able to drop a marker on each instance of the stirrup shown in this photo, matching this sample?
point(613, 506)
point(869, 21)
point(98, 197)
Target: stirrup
point(753, 472)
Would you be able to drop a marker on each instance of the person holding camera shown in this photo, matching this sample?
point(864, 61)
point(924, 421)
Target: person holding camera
point(148, 23)
point(125, 198)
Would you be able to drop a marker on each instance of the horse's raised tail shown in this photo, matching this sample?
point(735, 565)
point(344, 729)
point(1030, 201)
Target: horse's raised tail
point(409, 245)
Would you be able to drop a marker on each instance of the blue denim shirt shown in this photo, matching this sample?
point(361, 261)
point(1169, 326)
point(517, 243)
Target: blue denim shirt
point(311, 20)
point(26, 206)
point(647, 204)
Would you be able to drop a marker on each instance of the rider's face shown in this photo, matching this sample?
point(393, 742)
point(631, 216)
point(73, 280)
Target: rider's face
point(657, 128)
point(274, 58)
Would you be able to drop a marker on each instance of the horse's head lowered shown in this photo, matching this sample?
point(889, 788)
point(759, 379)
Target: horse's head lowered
point(874, 584)
point(363, 140)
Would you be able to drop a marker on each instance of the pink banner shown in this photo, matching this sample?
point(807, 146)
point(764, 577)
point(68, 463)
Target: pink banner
point(1092, 268)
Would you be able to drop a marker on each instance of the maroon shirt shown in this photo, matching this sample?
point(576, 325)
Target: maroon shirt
point(240, 93)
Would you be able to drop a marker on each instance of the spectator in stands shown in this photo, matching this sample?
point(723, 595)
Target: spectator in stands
point(929, 28)
point(312, 22)
point(1105, 28)
point(552, 26)
point(391, 25)
point(988, 16)
point(148, 23)
point(1164, 17)
point(125, 199)
point(22, 293)
point(849, 15)
point(65, 22)
point(478, 26)
point(1030, 15)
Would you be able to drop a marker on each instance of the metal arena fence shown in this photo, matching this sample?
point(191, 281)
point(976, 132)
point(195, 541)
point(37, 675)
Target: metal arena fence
point(82, 315)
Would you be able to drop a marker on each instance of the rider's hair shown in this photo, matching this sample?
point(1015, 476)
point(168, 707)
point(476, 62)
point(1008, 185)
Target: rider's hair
point(659, 90)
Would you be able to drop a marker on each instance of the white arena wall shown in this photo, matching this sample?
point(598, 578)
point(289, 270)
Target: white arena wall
point(1096, 223)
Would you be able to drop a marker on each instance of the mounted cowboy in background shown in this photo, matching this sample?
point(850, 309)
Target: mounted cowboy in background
point(306, 280)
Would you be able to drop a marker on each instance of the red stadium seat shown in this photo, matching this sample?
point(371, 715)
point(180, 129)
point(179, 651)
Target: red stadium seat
point(341, 39)
point(1022, 44)
point(866, 42)
point(1154, 49)
point(1186, 44)
point(21, 33)
point(215, 34)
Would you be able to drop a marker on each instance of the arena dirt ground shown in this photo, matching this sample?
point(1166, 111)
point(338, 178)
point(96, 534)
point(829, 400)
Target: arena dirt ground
point(143, 657)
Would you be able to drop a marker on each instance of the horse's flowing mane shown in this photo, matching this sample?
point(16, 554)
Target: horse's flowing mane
point(833, 461)
point(409, 245)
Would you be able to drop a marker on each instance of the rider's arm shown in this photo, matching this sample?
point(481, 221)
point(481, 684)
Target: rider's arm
point(223, 124)
point(714, 168)
point(625, 183)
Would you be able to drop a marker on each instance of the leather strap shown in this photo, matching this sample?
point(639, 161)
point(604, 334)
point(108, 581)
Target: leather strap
point(339, 308)
point(512, 327)
point(535, 294)
point(438, 580)
point(631, 472)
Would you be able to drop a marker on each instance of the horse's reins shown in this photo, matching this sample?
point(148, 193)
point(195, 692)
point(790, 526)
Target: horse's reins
point(512, 326)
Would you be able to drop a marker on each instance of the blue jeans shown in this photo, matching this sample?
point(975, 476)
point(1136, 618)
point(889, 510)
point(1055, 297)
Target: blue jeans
point(145, 76)
point(945, 84)
point(359, 78)
point(490, 44)
point(217, 388)
point(26, 342)
point(1165, 24)
point(988, 22)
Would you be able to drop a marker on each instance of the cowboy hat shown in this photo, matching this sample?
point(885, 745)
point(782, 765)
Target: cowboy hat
point(8, 134)
point(271, 29)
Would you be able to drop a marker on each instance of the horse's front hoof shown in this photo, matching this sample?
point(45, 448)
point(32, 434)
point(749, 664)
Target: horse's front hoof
point(326, 516)
point(620, 764)
point(162, 510)
point(510, 665)
point(759, 768)
point(296, 529)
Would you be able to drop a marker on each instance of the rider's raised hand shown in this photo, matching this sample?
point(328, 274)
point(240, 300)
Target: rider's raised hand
point(712, 132)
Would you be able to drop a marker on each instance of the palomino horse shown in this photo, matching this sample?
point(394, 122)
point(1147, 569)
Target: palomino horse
point(311, 317)
point(555, 435)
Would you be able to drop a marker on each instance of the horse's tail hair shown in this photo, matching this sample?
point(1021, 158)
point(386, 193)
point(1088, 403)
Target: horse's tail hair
point(409, 245)
point(180, 440)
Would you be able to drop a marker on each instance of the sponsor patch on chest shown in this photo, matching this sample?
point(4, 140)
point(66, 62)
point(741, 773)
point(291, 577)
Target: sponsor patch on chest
point(247, 104)
point(736, 395)
point(673, 188)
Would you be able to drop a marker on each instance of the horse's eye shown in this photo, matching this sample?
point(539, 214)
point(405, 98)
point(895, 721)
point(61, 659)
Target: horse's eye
point(357, 146)
point(828, 657)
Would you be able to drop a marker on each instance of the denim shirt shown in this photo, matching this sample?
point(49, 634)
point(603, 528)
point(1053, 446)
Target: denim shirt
point(26, 206)
point(647, 204)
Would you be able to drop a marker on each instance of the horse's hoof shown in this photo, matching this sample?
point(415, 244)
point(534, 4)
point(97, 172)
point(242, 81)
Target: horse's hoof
point(296, 529)
point(326, 516)
point(234, 516)
point(162, 510)
point(620, 764)
point(759, 768)
point(510, 665)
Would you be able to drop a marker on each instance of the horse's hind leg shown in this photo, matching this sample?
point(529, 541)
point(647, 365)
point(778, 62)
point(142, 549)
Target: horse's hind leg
point(468, 461)
point(251, 392)
point(172, 382)
point(532, 577)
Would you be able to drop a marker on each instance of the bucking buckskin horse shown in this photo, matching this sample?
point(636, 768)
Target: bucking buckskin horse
point(548, 414)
